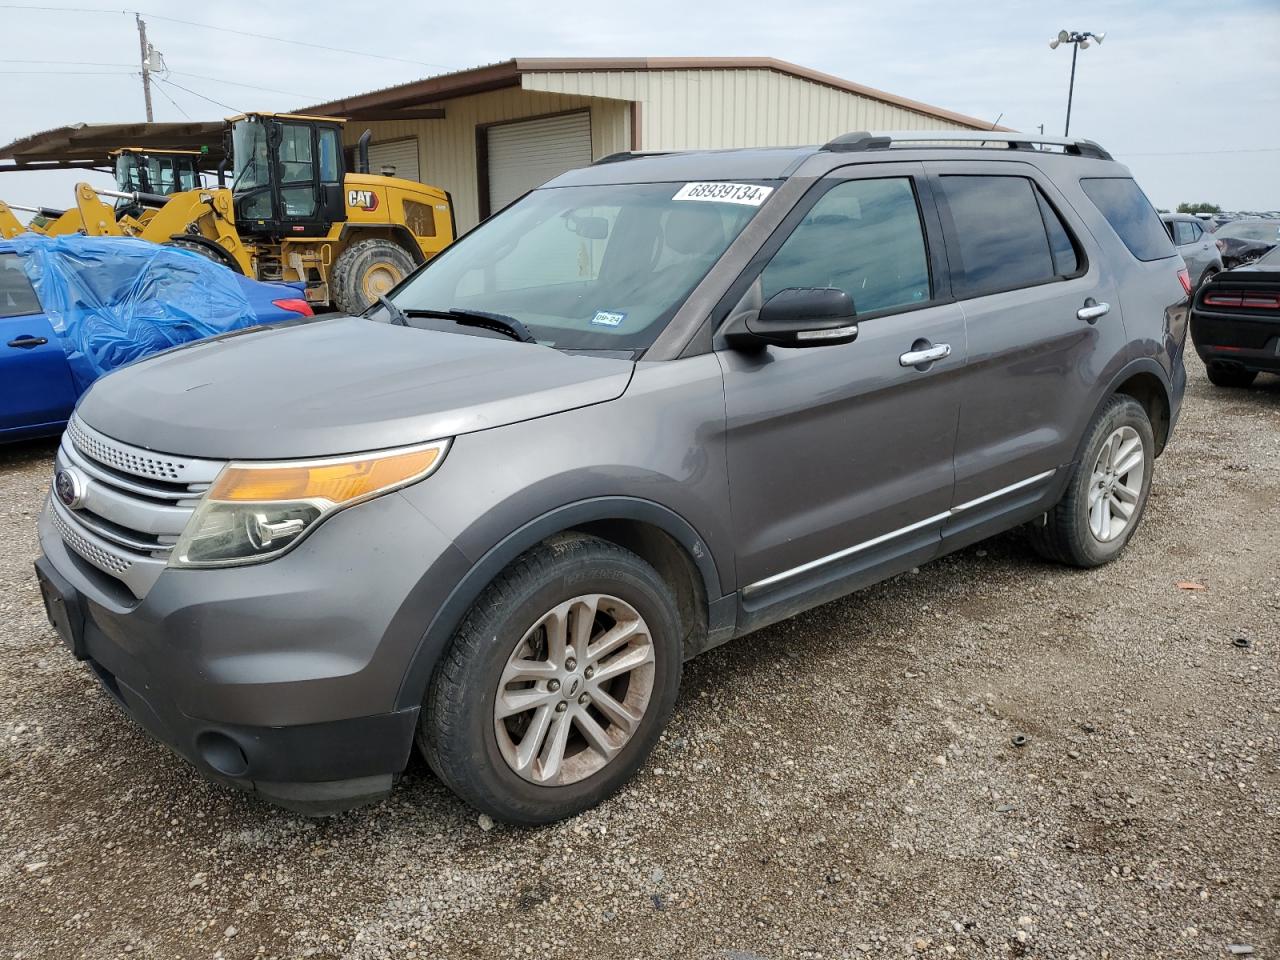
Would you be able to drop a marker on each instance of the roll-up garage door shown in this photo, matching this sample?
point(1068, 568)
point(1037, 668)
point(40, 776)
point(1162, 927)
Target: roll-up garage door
point(401, 154)
point(527, 154)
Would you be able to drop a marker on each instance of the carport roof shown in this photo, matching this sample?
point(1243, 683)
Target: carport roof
point(87, 144)
point(383, 103)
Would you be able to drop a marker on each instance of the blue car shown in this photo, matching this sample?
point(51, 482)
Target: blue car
point(73, 308)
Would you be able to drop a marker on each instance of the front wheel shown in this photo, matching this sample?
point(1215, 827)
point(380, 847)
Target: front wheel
point(1108, 490)
point(557, 684)
point(366, 270)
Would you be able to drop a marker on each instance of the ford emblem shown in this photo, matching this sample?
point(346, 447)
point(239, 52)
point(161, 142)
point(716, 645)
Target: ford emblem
point(69, 487)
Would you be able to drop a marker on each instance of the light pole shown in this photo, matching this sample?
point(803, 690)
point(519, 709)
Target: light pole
point(1079, 40)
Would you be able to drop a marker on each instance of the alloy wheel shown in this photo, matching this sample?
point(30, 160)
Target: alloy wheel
point(574, 690)
point(1115, 485)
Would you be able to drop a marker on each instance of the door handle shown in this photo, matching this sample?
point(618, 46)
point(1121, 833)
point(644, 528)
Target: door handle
point(914, 358)
point(1092, 311)
point(27, 342)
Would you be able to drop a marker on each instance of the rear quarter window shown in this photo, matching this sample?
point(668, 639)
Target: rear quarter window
point(1131, 216)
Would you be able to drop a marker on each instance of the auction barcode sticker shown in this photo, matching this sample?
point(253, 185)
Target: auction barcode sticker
point(749, 194)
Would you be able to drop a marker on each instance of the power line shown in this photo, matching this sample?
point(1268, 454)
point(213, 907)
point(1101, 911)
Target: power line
point(165, 93)
point(236, 83)
point(1199, 153)
point(132, 68)
point(210, 26)
point(68, 73)
point(216, 103)
point(71, 63)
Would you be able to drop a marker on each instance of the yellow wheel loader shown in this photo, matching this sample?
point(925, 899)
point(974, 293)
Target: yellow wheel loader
point(293, 213)
point(138, 170)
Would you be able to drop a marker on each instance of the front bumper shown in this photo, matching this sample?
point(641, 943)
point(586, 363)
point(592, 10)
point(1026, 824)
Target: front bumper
point(280, 678)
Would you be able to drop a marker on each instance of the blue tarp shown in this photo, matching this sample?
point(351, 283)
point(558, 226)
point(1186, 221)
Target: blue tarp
point(113, 300)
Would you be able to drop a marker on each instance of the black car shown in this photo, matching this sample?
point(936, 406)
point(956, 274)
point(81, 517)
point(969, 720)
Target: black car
point(1235, 322)
point(1243, 241)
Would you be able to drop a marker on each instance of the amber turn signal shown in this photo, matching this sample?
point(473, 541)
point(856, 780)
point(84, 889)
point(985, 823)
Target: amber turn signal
point(336, 481)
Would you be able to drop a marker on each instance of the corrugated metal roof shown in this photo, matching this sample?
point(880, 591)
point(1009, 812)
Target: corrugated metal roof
point(508, 72)
point(89, 143)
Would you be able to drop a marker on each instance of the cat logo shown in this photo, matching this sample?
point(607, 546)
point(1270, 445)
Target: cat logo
point(364, 199)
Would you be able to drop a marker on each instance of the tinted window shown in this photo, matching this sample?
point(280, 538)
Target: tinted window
point(1065, 259)
point(1000, 232)
point(863, 237)
point(16, 296)
point(1131, 216)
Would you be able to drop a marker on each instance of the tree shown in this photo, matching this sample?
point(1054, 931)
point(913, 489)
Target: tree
point(1199, 208)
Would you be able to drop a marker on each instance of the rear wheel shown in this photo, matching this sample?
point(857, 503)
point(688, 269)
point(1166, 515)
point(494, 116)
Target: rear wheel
point(557, 684)
point(1222, 375)
point(367, 269)
point(1208, 275)
point(1107, 494)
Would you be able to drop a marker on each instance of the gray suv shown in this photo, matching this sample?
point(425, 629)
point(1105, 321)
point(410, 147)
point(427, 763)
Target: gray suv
point(657, 404)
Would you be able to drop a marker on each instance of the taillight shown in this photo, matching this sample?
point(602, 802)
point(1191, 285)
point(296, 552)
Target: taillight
point(1185, 279)
point(1250, 300)
point(295, 306)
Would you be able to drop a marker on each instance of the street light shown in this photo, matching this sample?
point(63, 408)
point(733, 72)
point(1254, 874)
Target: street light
point(1079, 41)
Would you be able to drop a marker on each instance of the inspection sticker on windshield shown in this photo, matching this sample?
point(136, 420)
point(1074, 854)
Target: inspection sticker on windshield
point(748, 194)
point(608, 318)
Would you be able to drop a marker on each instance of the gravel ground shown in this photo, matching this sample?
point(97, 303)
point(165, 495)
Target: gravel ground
point(841, 785)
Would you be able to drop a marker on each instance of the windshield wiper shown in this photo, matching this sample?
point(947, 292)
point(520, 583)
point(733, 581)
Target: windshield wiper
point(395, 314)
point(497, 322)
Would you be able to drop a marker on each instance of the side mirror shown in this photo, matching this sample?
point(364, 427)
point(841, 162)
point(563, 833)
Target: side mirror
point(801, 317)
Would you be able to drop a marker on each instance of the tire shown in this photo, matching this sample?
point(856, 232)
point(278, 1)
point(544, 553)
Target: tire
point(208, 250)
point(479, 755)
point(1208, 275)
point(366, 269)
point(1221, 375)
point(1069, 534)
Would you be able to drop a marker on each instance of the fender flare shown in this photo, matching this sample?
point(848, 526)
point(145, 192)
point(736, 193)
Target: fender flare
point(446, 619)
point(212, 246)
point(404, 237)
point(1130, 369)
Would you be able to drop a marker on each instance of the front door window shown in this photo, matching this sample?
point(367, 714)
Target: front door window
point(297, 172)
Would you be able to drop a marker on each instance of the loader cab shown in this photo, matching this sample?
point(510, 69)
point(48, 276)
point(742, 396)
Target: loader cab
point(158, 172)
point(288, 174)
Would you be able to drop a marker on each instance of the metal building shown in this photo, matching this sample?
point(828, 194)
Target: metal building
point(491, 133)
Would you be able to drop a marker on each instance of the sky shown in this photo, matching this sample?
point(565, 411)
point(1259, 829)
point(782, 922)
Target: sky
point(1186, 93)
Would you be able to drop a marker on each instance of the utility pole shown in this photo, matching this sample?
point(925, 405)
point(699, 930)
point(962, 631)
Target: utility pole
point(1071, 88)
point(146, 64)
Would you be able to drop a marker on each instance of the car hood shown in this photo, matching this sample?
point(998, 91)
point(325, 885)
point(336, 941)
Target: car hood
point(336, 386)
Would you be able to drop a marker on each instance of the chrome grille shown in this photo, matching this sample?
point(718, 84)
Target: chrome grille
point(102, 559)
point(134, 503)
point(142, 463)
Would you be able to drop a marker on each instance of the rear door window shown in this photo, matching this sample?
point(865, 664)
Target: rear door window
point(17, 298)
point(1183, 232)
point(1003, 239)
point(1130, 214)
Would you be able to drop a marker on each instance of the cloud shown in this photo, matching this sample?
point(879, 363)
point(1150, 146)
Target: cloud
point(1167, 79)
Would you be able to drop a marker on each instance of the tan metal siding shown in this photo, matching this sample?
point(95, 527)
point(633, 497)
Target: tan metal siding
point(447, 147)
point(690, 109)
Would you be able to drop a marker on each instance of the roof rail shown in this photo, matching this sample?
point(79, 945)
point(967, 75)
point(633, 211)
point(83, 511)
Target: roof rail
point(862, 140)
point(630, 155)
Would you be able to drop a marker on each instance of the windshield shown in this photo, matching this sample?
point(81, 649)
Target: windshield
point(249, 155)
point(156, 173)
point(592, 267)
point(1267, 230)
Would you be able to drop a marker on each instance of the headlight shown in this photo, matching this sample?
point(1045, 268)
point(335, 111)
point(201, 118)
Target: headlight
point(255, 510)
